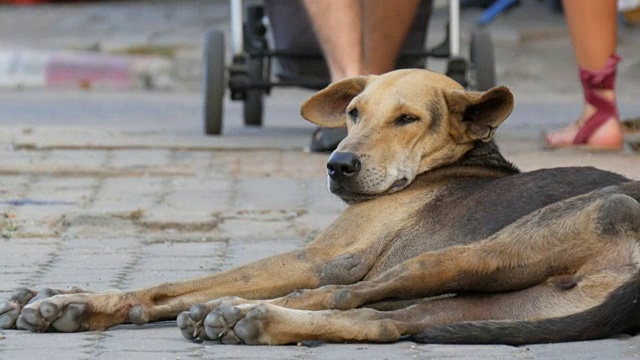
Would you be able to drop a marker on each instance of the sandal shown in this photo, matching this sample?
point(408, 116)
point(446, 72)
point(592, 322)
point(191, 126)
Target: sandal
point(605, 117)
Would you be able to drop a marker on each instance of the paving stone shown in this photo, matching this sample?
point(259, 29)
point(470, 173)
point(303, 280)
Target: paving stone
point(625, 348)
point(269, 193)
point(128, 193)
point(241, 229)
point(183, 249)
point(321, 199)
point(76, 159)
point(265, 352)
point(195, 195)
point(139, 158)
point(13, 160)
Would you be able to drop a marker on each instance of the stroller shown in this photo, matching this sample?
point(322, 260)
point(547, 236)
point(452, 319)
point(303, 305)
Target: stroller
point(280, 30)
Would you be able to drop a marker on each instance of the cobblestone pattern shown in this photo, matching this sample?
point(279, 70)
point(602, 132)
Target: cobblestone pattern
point(122, 229)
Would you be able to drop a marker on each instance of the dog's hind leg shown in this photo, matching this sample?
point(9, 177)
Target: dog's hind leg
point(265, 323)
point(559, 239)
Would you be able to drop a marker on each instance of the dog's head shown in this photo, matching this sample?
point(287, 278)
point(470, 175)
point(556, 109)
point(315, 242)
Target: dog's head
point(401, 124)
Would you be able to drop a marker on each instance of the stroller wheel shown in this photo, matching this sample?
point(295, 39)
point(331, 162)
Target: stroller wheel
point(482, 60)
point(213, 79)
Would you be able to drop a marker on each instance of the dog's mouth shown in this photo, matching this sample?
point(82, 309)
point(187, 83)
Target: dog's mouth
point(398, 185)
point(350, 195)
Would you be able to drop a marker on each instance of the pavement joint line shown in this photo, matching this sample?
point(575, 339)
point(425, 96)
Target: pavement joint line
point(185, 147)
point(42, 268)
point(123, 277)
point(72, 171)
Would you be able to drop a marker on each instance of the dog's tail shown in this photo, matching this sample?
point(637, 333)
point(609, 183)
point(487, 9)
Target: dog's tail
point(618, 314)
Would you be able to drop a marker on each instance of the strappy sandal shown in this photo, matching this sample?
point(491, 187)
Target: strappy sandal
point(605, 110)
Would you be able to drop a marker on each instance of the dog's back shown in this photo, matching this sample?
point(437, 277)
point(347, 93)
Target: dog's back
point(473, 208)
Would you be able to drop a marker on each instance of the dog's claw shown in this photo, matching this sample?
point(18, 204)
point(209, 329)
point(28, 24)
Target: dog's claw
point(215, 325)
point(186, 326)
point(190, 323)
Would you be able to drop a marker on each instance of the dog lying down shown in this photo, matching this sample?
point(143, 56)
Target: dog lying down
point(443, 241)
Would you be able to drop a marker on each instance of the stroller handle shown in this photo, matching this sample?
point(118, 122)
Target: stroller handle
point(454, 28)
point(237, 15)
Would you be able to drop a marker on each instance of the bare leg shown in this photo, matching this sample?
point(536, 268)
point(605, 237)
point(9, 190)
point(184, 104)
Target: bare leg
point(357, 37)
point(338, 25)
point(592, 25)
point(386, 24)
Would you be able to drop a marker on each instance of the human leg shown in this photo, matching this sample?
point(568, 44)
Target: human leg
point(386, 24)
point(338, 25)
point(592, 27)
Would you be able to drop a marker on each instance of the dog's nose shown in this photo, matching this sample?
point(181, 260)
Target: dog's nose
point(343, 164)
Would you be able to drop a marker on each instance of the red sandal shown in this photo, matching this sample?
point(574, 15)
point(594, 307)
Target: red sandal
point(601, 130)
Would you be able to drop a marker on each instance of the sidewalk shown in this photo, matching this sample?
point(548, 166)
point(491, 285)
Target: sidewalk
point(120, 191)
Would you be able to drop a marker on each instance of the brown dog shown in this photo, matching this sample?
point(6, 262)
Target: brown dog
point(443, 241)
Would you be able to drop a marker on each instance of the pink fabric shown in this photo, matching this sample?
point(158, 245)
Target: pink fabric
point(604, 79)
point(89, 70)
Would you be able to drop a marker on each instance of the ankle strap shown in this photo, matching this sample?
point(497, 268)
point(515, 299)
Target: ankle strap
point(604, 78)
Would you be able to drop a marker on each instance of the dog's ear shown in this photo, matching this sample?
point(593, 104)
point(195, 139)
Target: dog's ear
point(327, 108)
point(476, 115)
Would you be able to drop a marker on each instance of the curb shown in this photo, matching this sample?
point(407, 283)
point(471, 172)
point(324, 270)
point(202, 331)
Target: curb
point(26, 68)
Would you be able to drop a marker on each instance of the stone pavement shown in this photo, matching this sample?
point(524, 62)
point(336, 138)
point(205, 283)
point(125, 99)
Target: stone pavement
point(117, 208)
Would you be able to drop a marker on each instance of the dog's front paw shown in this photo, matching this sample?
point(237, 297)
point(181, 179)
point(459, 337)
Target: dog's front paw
point(52, 314)
point(10, 309)
point(61, 310)
point(31, 310)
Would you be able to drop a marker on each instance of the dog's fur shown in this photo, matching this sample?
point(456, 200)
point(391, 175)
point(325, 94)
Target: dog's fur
point(443, 241)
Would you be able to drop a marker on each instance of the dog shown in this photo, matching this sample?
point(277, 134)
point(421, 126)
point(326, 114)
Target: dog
point(442, 241)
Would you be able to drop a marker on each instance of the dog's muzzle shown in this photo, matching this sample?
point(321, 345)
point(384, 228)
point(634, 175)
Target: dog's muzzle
point(343, 165)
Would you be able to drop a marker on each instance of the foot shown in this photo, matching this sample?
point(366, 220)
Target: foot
point(599, 127)
point(608, 136)
point(69, 310)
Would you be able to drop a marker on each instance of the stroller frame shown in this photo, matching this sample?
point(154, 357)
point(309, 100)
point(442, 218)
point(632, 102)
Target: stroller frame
point(249, 76)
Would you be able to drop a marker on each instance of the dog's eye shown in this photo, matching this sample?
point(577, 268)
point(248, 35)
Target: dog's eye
point(406, 119)
point(353, 113)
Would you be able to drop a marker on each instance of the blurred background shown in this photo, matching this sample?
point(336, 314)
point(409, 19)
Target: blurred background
point(139, 64)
